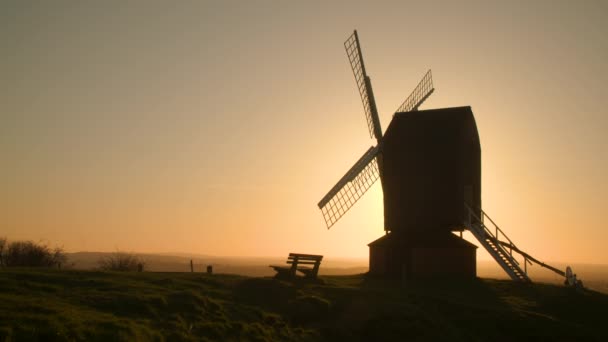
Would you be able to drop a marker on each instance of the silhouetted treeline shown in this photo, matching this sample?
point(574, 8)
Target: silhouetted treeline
point(29, 254)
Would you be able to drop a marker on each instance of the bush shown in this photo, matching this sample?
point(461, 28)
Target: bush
point(2, 245)
point(121, 261)
point(30, 254)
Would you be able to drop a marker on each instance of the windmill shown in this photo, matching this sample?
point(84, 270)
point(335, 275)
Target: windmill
point(429, 165)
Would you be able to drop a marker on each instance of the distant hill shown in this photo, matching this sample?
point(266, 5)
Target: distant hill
point(71, 305)
point(247, 266)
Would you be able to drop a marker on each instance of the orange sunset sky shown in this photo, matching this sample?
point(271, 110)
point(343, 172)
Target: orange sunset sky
point(215, 127)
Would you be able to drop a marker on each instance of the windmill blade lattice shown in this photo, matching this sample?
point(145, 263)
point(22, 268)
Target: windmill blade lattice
point(355, 57)
point(423, 90)
point(351, 187)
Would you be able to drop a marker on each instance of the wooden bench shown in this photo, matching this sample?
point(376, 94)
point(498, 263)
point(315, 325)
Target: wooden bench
point(296, 260)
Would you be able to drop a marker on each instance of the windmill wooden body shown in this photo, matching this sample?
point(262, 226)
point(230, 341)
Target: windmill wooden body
point(431, 165)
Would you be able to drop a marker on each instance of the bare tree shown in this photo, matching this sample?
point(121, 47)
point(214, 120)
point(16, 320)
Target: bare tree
point(121, 261)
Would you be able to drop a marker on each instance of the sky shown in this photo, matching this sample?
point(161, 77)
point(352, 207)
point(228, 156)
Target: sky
point(215, 127)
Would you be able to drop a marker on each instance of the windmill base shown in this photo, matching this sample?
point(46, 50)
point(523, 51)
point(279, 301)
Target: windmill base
point(421, 256)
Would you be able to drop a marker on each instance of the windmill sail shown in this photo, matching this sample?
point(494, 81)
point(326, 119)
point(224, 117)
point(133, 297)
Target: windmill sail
point(423, 90)
point(350, 188)
point(355, 57)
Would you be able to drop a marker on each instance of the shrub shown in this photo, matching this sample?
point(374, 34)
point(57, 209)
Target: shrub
point(2, 245)
point(120, 261)
point(30, 254)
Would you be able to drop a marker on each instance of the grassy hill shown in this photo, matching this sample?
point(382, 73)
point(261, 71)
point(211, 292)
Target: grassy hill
point(85, 305)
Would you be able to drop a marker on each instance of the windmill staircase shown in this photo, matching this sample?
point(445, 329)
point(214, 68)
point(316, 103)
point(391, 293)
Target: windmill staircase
point(498, 244)
point(501, 248)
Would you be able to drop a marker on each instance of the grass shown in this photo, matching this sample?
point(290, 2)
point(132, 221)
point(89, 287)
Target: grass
point(49, 305)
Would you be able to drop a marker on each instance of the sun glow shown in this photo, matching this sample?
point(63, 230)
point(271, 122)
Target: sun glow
point(213, 129)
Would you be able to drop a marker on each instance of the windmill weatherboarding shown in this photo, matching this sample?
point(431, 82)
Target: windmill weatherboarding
point(429, 165)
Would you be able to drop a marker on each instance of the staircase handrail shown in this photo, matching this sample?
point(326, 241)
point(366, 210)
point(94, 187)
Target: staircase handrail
point(528, 259)
point(481, 219)
point(499, 244)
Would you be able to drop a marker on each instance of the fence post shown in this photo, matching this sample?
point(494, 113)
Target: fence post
point(191, 266)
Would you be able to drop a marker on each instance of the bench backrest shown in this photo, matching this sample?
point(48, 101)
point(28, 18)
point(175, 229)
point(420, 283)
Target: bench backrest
point(296, 259)
point(293, 256)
